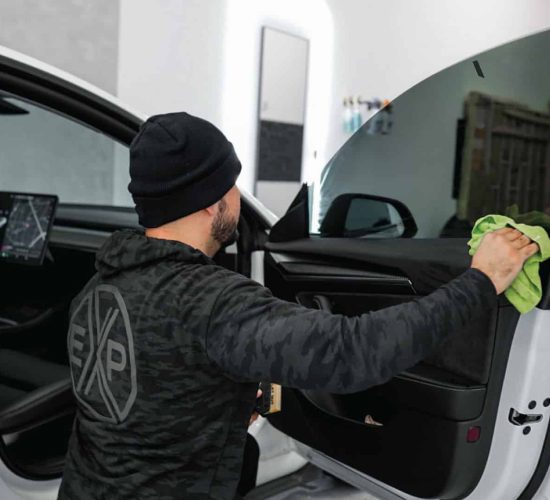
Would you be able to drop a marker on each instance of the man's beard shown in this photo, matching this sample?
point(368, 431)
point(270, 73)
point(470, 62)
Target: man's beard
point(224, 227)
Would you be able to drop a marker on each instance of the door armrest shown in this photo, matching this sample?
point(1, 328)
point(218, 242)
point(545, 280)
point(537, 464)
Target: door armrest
point(38, 407)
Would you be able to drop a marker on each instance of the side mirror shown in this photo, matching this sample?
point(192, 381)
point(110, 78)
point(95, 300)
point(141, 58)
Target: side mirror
point(367, 216)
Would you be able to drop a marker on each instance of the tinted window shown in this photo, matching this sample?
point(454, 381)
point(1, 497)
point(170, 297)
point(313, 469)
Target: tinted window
point(470, 140)
point(44, 152)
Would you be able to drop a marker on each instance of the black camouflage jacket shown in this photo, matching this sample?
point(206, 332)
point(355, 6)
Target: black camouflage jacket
point(167, 348)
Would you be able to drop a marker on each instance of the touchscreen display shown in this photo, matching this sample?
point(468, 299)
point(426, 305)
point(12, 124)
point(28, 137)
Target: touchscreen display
point(25, 223)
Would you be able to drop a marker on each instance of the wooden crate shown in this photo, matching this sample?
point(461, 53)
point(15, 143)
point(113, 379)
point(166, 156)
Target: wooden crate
point(506, 158)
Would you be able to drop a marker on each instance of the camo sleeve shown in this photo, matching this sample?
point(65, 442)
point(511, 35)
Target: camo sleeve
point(254, 336)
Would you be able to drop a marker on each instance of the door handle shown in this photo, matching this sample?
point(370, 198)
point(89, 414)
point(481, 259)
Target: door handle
point(517, 418)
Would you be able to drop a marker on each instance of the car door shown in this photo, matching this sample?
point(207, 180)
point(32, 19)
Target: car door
point(470, 420)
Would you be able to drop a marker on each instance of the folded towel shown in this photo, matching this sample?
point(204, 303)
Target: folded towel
point(533, 218)
point(525, 291)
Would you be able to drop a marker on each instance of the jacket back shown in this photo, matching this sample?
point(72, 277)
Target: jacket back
point(156, 417)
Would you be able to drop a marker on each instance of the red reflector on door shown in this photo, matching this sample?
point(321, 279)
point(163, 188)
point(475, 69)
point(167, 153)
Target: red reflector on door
point(473, 434)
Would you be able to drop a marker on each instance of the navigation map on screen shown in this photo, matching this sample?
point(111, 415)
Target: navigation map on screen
point(25, 223)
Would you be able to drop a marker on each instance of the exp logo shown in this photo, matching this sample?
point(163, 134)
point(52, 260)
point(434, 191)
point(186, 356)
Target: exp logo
point(101, 352)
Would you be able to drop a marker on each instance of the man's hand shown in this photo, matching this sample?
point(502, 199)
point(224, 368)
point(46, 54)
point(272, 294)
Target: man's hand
point(501, 255)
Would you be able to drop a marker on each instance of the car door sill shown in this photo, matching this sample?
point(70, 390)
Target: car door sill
point(349, 475)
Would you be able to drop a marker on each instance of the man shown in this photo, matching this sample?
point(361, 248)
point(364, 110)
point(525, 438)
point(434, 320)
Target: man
point(167, 348)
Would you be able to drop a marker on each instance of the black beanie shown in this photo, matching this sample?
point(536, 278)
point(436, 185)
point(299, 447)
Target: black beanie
point(179, 164)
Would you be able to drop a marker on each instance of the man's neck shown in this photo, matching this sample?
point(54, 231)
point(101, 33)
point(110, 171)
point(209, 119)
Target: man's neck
point(190, 236)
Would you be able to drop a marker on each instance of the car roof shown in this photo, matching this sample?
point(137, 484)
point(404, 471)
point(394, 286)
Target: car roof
point(34, 65)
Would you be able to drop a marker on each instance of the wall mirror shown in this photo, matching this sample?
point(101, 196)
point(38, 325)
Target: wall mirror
point(282, 104)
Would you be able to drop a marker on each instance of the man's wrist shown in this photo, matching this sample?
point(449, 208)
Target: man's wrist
point(485, 277)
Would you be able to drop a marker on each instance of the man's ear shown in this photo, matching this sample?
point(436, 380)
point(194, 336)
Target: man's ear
point(212, 209)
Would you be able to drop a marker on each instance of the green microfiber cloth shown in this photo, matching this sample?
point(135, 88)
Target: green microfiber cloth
point(525, 291)
point(534, 218)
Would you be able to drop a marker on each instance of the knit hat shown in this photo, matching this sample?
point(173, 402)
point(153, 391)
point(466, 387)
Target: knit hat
point(179, 164)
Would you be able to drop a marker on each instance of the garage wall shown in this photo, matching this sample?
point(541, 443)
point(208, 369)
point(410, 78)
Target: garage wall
point(80, 37)
point(310, 19)
point(383, 47)
point(203, 56)
point(171, 56)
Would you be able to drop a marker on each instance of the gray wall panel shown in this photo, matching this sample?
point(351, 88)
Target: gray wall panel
point(78, 36)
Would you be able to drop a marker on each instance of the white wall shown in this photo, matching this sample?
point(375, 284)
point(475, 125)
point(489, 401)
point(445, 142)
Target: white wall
point(310, 19)
point(76, 36)
point(204, 57)
point(383, 47)
point(171, 56)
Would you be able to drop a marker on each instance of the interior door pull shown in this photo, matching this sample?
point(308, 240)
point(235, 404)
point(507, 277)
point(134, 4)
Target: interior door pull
point(518, 418)
point(321, 302)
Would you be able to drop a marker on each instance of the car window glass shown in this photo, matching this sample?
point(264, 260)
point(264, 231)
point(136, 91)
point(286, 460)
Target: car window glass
point(44, 152)
point(472, 139)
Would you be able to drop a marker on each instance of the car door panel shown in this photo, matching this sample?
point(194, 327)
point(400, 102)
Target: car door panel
point(358, 290)
point(456, 147)
point(426, 412)
point(426, 263)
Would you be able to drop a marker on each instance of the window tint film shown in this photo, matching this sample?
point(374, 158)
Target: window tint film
point(471, 140)
point(44, 152)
